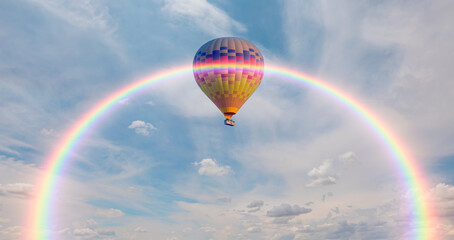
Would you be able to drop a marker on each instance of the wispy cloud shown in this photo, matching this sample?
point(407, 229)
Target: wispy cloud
point(109, 213)
point(87, 15)
point(206, 16)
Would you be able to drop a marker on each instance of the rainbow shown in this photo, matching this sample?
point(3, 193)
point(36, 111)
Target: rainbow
point(423, 214)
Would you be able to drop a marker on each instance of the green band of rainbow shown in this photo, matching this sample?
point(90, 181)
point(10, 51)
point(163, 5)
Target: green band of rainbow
point(423, 218)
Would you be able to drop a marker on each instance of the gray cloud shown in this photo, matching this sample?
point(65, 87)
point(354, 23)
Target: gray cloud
point(255, 206)
point(84, 232)
point(286, 210)
point(325, 196)
point(344, 231)
point(282, 220)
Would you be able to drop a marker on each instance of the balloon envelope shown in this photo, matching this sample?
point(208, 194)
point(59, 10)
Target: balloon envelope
point(228, 70)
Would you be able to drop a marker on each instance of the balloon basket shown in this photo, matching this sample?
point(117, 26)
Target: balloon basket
point(229, 122)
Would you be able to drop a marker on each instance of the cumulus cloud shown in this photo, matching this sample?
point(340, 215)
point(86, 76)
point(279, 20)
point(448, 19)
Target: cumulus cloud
point(255, 205)
point(142, 127)
point(205, 15)
point(109, 213)
point(16, 189)
point(209, 167)
point(327, 172)
point(322, 175)
point(286, 210)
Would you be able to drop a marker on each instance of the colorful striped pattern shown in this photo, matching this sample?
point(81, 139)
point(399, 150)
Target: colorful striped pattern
point(43, 209)
point(239, 73)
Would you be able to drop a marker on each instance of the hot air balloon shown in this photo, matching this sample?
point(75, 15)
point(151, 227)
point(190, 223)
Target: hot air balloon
point(228, 70)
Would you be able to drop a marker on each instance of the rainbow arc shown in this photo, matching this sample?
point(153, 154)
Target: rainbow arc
point(423, 218)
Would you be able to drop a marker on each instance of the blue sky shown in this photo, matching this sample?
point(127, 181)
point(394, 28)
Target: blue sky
point(163, 165)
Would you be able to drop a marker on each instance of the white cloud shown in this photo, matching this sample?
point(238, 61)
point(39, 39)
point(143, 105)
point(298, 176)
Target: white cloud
point(142, 127)
point(322, 175)
point(286, 210)
point(109, 213)
point(209, 167)
point(327, 172)
point(348, 158)
point(322, 181)
point(140, 230)
point(16, 189)
point(205, 15)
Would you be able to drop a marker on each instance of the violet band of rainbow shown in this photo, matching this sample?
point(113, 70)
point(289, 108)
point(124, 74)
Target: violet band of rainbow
point(422, 220)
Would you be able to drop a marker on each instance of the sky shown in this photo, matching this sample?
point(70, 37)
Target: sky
point(162, 165)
